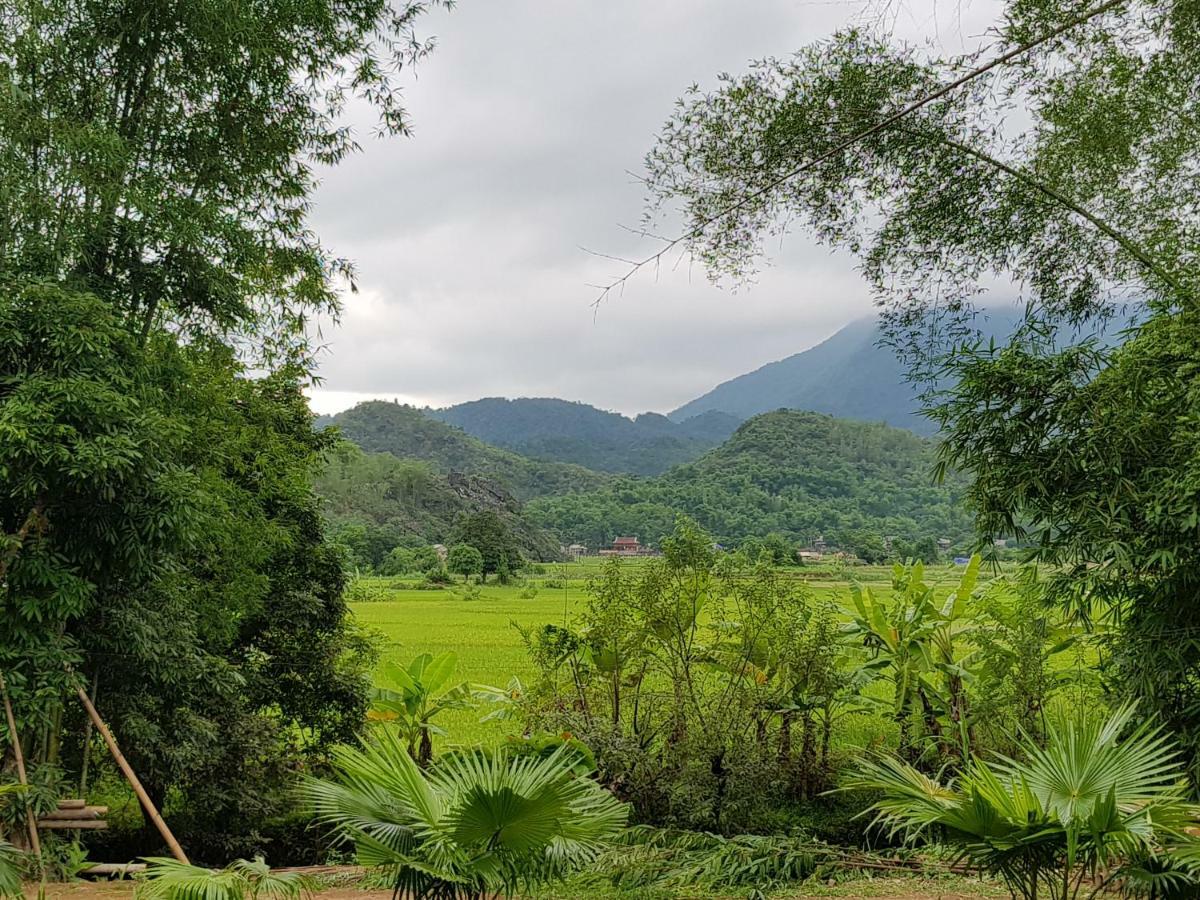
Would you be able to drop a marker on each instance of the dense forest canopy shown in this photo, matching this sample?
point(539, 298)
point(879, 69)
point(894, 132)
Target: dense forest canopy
point(801, 474)
point(376, 502)
point(161, 540)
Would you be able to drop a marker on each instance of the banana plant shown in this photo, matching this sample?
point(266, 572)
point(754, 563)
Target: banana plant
point(914, 643)
point(415, 695)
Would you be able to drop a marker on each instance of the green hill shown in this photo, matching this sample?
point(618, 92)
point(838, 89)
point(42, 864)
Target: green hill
point(375, 501)
point(798, 473)
point(406, 432)
point(564, 431)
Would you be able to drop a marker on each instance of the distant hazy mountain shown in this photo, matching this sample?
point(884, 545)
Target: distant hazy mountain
point(559, 430)
point(851, 376)
point(403, 431)
point(848, 376)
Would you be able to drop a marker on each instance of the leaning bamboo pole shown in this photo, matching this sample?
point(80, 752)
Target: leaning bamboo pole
point(127, 770)
point(35, 843)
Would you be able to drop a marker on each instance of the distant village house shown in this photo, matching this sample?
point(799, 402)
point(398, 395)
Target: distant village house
point(627, 546)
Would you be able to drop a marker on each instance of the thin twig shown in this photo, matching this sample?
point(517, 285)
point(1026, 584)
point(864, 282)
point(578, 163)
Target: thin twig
point(698, 229)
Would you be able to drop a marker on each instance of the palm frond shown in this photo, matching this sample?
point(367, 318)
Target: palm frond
point(474, 821)
point(10, 870)
point(169, 879)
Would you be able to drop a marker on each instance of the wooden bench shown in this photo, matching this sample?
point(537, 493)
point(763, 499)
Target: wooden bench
point(74, 815)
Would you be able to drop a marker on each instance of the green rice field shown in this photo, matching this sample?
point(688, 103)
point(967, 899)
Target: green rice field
point(483, 631)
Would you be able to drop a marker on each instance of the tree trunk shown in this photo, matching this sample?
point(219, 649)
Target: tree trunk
point(785, 738)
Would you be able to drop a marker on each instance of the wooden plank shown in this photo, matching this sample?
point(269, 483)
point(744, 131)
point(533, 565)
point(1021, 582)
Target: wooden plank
point(71, 804)
point(113, 870)
point(71, 824)
point(86, 812)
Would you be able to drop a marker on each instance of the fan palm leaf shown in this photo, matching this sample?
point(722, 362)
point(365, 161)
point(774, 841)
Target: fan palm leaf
point(10, 857)
point(10, 870)
point(473, 823)
point(1098, 795)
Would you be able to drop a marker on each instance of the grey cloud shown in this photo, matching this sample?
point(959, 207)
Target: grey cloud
point(467, 236)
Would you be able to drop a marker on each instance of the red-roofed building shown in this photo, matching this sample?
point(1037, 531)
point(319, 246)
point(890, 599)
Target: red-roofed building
point(627, 546)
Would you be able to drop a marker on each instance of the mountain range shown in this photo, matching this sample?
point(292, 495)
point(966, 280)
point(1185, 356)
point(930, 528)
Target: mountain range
point(850, 376)
point(560, 430)
point(827, 441)
point(409, 433)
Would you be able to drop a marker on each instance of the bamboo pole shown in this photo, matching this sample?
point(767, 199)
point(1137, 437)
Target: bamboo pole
point(34, 841)
point(87, 740)
point(127, 771)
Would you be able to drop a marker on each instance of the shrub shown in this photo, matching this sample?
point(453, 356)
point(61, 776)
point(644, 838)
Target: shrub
point(1089, 803)
point(470, 826)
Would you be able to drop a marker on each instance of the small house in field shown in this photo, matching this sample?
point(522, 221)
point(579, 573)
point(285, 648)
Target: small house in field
point(627, 546)
point(574, 551)
point(808, 555)
point(441, 551)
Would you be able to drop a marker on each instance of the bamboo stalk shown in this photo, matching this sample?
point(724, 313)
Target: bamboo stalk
point(87, 740)
point(34, 841)
point(127, 771)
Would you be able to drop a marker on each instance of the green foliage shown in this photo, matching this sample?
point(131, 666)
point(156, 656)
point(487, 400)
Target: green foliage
point(212, 675)
point(161, 535)
point(464, 560)
point(708, 692)
point(796, 474)
point(663, 859)
point(94, 491)
point(1081, 449)
point(472, 825)
point(179, 191)
point(913, 641)
point(417, 693)
point(491, 536)
point(169, 879)
point(158, 530)
point(11, 863)
point(378, 504)
point(1017, 635)
point(1103, 485)
point(1097, 801)
point(10, 870)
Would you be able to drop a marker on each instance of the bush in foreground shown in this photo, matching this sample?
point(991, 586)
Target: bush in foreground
point(471, 825)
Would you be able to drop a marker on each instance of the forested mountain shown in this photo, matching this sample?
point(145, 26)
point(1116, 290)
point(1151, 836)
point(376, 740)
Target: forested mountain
point(375, 502)
point(852, 375)
point(800, 473)
point(551, 429)
point(406, 432)
point(848, 376)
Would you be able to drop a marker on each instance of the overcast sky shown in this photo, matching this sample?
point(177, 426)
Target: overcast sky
point(527, 118)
